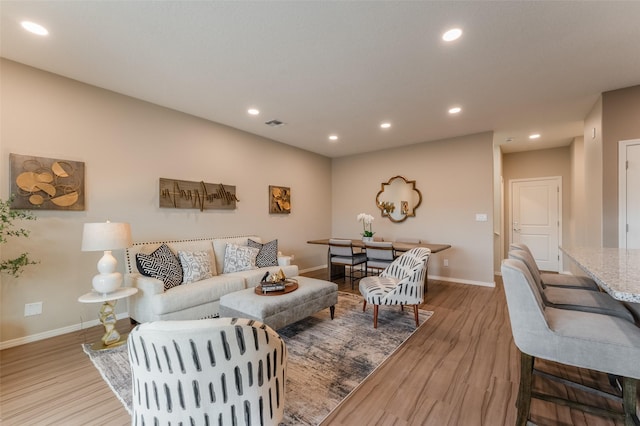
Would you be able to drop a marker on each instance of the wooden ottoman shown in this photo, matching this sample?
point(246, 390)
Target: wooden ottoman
point(277, 311)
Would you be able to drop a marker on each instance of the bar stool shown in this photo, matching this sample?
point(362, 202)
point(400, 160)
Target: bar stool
point(581, 339)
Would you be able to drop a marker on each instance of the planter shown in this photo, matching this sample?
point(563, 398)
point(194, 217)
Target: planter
point(367, 239)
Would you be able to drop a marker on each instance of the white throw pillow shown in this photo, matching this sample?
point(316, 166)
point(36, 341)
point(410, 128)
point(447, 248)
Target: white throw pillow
point(239, 258)
point(196, 266)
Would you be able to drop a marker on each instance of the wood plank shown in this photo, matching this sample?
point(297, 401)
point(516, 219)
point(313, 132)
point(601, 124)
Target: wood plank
point(460, 368)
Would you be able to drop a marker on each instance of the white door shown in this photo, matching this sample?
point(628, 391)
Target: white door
point(535, 218)
point(630, 194)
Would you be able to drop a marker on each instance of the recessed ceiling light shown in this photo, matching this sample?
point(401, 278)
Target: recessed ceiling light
point(454, 110)
point(333, 137)
point(452, 34)
point(385, 125)
point(253, 111)
point(534, 136)
point(34, 28)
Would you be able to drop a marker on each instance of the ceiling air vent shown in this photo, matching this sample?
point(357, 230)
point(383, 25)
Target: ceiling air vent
point(274, 123)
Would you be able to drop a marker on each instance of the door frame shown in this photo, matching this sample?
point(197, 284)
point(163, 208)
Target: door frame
point(622, 189)
point(558, 179)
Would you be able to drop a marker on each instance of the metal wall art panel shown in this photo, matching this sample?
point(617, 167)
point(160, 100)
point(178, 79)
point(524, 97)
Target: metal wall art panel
point(46, 183)
point(182, 194)
point(279, 199)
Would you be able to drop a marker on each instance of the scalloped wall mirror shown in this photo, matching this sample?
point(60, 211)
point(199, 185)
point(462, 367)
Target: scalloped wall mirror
point(398, 199)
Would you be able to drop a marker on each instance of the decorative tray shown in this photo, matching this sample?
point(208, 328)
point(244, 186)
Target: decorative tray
point(278, 288)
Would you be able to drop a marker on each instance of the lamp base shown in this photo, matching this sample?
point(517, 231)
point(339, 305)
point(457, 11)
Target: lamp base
point(107, 283)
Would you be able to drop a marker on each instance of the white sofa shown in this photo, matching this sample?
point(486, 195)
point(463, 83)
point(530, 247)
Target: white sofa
point(195, 300)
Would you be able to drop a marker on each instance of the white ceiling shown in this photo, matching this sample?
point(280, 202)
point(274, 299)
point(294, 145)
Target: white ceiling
point(343, 67)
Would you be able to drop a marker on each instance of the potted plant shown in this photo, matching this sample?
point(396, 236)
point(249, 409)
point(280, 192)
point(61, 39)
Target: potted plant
point(367, 231)
point(8, 229)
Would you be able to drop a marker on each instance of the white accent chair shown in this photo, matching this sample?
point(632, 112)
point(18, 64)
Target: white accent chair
point(401, 283)
point(215, 371)
point(581, 339)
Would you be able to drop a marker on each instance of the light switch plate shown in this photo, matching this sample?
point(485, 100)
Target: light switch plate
point(481, 217)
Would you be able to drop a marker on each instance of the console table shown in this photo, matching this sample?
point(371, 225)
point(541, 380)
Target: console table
point(111, 338)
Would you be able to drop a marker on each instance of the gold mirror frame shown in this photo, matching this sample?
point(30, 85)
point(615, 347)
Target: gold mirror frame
point(403, 209)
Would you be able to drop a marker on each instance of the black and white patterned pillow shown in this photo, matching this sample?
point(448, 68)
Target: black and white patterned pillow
point(239, 258)
point(196, 266)
point(161, 264)
point(268, 254)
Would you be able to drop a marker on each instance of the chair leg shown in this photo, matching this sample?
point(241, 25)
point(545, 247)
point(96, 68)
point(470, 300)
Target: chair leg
point(375, 316)
point(364, 305)
point(415, 314)
point(524, 393)
point(629, 389)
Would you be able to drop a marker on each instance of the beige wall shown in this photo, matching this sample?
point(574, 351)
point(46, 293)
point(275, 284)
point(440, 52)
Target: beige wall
point(620, 121)
point(455, 177)
point(537, 164)
point(127, 145)
point(592, 163)
point(577, 235)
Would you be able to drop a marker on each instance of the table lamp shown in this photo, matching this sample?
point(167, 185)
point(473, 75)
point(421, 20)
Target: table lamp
point(106, 236)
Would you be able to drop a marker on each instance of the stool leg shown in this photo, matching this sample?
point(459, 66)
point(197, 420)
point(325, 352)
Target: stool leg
point(629, 389)
point(524, 392)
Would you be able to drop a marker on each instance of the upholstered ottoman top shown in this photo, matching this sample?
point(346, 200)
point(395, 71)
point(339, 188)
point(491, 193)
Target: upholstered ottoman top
point(311, 296)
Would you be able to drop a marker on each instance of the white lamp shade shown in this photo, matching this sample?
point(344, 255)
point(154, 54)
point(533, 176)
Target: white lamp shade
point(106, 236)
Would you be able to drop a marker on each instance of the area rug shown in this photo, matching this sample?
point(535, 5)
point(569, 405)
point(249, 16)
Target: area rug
point(327, 358)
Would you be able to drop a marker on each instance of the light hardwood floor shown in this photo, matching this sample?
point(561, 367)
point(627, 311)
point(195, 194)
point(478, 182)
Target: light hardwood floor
point(460, 368)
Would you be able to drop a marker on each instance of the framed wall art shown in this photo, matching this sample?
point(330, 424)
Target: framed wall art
point(46, 183)
point(279, 199)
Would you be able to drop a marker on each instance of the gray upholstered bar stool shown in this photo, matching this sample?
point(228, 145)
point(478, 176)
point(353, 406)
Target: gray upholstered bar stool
point(558, 280)
point(581, 339)
point(572, 298)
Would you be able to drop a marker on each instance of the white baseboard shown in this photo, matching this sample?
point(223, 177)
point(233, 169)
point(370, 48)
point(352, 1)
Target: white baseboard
point(53, 333)
point(461, 281)
point(315, 268)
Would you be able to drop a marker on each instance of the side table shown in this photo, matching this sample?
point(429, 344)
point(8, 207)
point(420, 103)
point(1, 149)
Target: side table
point(111, 338)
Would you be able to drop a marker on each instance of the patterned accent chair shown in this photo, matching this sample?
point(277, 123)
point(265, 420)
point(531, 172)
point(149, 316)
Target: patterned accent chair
point(401, 283)
point(225, 371)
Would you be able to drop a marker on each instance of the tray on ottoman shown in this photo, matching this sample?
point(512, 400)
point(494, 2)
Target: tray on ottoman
point(312, 295)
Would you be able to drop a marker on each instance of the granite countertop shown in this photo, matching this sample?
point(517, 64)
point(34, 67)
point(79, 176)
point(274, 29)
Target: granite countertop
point(616, 270)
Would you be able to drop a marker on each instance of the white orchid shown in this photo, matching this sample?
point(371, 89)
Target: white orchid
point(366, 220)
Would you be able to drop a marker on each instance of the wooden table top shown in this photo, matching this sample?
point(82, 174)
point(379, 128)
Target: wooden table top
point(397, 246)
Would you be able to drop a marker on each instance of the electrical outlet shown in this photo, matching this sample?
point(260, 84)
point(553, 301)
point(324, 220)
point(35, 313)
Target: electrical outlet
point(446, 262)
point(32, 309)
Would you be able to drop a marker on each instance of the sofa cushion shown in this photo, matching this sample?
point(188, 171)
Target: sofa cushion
point(161, 264)
point(196, 266)
point(187, 296)
point(268, 254)
point(239, 258)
